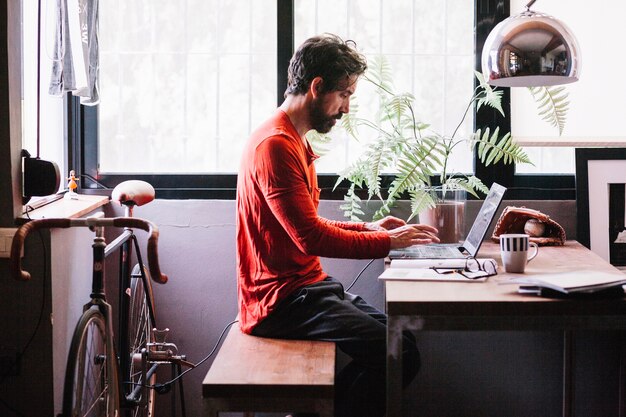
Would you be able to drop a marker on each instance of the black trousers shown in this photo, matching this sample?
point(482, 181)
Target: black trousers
point(323, 311)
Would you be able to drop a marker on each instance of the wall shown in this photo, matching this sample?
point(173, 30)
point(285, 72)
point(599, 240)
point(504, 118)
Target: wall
point(25, 321)
point(22, 305)
point(464, 373)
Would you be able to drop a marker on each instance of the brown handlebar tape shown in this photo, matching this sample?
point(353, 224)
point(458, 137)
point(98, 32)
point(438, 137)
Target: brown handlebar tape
point(132, 222)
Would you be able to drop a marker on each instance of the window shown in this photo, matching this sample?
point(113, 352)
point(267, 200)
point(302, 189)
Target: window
point(51, 108)
point(430, 46)
point(183, 83)
point(595, 112)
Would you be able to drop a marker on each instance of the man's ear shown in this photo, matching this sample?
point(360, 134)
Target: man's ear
point(316, 86)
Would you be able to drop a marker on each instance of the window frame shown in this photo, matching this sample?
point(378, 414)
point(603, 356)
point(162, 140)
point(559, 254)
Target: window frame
point(82, 135)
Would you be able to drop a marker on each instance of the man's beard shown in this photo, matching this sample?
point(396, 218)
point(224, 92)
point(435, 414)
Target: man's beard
point(320, 121)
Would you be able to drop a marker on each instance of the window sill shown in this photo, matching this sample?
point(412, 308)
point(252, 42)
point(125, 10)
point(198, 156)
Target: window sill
point(67, 208)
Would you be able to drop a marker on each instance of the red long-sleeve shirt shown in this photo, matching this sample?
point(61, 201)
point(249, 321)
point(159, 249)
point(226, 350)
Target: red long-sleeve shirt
point(280, 237)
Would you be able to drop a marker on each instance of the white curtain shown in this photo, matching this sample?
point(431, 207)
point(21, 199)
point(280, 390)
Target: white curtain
point(75, 56)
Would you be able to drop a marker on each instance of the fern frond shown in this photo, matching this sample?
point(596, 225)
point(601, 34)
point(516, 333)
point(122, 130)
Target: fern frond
point(481, 79)
point(491, 150)
point(552, 105)
point(469, 184)
point(379, 156)
point(354, 174)
point(379, 72)
point(383, 211)
point(352, 205)
point(396, 108)
point(420, 201)
point(350, 121)
point(416, 165)
point(488, 95)
point(319, 142)
point(477, 184)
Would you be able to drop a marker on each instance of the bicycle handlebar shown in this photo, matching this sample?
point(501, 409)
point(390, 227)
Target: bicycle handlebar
point(131, 222)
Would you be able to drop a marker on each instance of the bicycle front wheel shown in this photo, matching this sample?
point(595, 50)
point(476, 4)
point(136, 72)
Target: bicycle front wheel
point(140, 333)
point(91, 385)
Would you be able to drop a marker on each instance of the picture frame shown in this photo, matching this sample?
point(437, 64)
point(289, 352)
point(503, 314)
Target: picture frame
point(600, 205)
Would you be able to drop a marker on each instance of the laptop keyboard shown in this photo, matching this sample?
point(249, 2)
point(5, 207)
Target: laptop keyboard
point(427, 251)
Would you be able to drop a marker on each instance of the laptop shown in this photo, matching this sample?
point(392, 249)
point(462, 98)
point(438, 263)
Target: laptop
point(471, 245)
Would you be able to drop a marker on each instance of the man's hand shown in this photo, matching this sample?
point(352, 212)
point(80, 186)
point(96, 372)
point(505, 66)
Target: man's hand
point(386, 223)
point(412, 234)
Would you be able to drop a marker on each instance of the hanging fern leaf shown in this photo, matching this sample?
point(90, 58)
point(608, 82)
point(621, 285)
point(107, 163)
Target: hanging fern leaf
point(477, 184)
point(350, 121)
point(469, 184)
point(319, 142)
point(397, 107)
point(379, 73)
point(553, 105)
point(352, 205)
point(488, 95)
point(420, 201)
point(383, 211)
point(491, 150)
point(355, 174)
point(415, 167)
point(378, 158)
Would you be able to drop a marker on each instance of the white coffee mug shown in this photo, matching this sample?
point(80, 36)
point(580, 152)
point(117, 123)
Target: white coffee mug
point(514, 251)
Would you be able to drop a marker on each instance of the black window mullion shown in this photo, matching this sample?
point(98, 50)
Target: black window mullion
point(488, 14)
point(285, 40)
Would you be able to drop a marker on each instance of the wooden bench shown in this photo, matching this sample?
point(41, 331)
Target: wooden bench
point(270, 375)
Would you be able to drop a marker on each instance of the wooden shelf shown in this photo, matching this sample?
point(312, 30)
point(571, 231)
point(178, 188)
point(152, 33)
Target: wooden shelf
point(67, 208)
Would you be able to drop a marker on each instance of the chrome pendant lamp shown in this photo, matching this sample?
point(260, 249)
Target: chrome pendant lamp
point(531, 49)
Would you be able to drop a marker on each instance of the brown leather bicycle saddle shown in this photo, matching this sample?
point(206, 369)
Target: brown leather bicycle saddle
point(133, 192)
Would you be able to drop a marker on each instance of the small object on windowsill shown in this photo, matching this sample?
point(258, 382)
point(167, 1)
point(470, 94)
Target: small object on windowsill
point(72, 186)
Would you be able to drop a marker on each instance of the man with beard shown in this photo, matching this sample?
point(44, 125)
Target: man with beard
point(283, 291)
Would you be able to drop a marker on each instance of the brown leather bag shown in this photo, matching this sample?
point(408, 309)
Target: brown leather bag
point(513, 220)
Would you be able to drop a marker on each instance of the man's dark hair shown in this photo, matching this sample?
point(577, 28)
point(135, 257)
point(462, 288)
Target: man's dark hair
point(326, 56)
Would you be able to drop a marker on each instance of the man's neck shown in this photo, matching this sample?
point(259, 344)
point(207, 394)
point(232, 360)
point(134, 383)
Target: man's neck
point(297, 109)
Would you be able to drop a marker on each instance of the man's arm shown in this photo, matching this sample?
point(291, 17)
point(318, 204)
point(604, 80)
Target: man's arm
point(346, 225)
point(387, 223)
point(280, 175)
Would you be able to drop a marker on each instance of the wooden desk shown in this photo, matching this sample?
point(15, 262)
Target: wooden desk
point(424, 305)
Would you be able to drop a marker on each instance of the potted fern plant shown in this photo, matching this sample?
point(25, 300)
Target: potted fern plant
point(417, 158)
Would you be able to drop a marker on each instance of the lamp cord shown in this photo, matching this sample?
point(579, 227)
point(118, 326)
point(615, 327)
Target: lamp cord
point(530, 3)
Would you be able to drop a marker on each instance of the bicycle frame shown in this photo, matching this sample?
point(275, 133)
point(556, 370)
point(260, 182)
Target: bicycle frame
point(123, 243)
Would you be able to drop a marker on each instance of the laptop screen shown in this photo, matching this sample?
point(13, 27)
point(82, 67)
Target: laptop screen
point(483, 219)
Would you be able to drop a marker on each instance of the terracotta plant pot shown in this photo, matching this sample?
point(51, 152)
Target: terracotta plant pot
point(449, 218)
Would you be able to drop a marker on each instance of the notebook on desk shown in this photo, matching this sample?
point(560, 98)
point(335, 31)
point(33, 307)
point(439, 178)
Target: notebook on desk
point(471, 245)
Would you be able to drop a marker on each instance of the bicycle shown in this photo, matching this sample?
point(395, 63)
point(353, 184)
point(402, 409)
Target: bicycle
point(104, 378)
